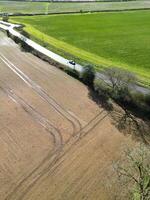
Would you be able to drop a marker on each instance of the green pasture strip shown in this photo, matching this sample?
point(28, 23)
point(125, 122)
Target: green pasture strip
point(106, 39)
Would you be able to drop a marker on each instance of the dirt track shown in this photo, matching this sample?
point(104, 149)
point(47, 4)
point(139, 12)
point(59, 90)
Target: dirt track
point(55, 142)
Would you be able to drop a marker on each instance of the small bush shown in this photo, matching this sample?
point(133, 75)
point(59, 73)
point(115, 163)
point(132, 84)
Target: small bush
point(15, 39)
point(138, 98)
point(5, 17)
point(72, 72)
point(136, 102)
point(103, 95)
point(25, 47)
point(88, 75)
point(101, 88)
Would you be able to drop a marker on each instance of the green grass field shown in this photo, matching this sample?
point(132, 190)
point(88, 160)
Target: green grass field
point(104, 39)
point(46, 7)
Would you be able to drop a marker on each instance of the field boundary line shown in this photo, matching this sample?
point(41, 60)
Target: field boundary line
point(79, 12)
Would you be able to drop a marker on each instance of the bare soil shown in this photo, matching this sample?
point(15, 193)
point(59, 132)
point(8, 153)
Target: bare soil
point(55, 142)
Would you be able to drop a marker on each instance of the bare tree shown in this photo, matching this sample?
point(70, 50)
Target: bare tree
point(119, 80)
point(137, 173)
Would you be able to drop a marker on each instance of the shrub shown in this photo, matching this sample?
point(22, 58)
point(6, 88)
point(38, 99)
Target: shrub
point(120, 82)
point(138, 98)
point(135, 173)
point(25, 47)
point(102, 91)
point(134, 101)
point(5, 17)
point(72, 72)
point(88, 75)
point(15, 39)
point(101, 88)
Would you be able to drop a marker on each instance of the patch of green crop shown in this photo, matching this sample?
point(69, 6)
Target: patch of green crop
point(104, 39)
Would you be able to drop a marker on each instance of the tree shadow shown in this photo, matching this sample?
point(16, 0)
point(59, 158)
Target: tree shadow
point(101, 100)
point(127, 123)
point(124, 119)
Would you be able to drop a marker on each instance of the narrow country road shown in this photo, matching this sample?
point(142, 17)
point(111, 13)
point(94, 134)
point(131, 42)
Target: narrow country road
point(10, 27)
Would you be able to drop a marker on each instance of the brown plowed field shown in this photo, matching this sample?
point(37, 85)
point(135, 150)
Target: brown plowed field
point(55, 142)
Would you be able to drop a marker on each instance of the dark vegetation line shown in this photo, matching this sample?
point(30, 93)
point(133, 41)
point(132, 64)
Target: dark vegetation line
point(69, 1)
point(74, 12)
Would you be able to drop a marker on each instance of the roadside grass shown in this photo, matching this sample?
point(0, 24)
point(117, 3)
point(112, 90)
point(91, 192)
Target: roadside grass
point(50, 7)
point(104, 39)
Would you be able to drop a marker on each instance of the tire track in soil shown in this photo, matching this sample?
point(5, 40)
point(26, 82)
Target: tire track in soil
point(57, 137)
point(50, 166)
point(52, 157)
point(52, 102)
point(42, 93)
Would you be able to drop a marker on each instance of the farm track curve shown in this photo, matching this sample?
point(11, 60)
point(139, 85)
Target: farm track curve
point(58, 141)
point(51, 156)
point(45, 166)
point(20, 191)
point(42, 93)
